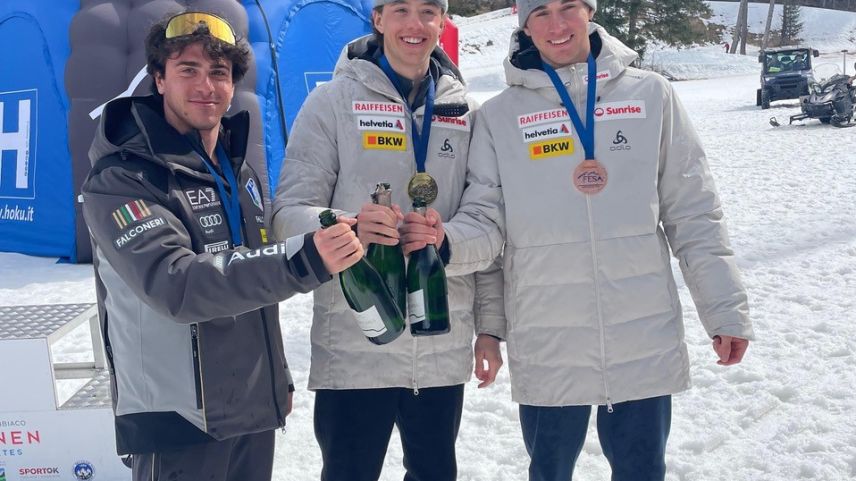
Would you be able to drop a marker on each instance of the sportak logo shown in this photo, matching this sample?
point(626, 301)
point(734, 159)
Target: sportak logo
point(130, 213)
point(379, 141)
point(383, 123)
point(18, 118)
point(548, 131)
point(551, 148)
point(28, 472)
point(631, 109)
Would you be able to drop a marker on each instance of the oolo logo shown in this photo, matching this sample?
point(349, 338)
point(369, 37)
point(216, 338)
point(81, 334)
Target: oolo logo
point(379, 141)
point(551, 148)
point(18, 112)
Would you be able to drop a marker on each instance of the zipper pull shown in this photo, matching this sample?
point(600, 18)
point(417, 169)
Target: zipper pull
point(415, 388)
point(609, 406)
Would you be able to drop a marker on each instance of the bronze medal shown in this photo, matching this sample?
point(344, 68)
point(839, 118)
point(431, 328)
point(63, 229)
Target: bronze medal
point(422, 187)
point(590, 177)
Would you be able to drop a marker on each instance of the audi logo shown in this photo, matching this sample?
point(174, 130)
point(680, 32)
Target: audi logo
point(213, 220)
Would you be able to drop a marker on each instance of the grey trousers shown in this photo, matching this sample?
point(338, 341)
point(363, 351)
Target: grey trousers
point(242, 458)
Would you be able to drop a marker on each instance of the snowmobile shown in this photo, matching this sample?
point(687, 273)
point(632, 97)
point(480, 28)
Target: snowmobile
point(831, 102)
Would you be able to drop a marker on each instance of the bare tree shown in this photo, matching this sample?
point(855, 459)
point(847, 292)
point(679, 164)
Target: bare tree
point(741, 29)
point(766, 40)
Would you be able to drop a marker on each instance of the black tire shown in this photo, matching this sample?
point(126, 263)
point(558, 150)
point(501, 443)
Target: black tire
point(765, 99)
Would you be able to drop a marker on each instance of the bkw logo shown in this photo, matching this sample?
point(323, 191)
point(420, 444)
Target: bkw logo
point(18, 144)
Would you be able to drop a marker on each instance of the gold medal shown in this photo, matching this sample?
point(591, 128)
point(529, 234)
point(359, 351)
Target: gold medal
point(423, 188)
point(590, 177)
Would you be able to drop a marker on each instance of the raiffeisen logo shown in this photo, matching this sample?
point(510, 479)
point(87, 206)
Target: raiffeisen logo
point(630, 109)
point(19, 438)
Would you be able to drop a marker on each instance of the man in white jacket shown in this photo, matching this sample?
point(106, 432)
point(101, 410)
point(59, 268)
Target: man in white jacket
point(592, 171)
point(364, 127)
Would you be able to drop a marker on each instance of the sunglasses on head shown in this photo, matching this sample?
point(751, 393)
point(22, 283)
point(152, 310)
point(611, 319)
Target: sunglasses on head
point(187, 23)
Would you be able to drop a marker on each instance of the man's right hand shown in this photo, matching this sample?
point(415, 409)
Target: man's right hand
point(378, 225)
point(338, 245)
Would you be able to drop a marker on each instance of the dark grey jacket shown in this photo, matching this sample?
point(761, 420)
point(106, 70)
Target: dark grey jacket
point(191, 322)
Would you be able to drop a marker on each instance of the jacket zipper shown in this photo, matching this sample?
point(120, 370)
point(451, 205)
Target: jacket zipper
point(415, 385)
point(595, 263)
point(197, 372)
point(279, 417)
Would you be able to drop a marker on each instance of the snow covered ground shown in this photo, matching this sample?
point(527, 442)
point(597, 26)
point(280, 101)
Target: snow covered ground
point(786, 413)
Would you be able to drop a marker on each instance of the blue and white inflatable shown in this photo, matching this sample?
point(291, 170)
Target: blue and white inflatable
point(36, 190)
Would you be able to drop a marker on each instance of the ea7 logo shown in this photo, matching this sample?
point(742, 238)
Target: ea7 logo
point(379, 141)
point(551, 148)
point(18, 120)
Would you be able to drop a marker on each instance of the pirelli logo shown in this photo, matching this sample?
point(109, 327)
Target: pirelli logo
point(384, 141)
point(551, 148)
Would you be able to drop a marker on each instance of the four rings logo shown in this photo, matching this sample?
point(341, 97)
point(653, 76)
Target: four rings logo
point(208, 221)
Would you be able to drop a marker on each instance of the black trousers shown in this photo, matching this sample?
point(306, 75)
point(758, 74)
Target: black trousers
point(353, 428)
point(242, 458)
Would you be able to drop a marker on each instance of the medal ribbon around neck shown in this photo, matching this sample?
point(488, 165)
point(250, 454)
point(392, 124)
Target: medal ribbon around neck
point(420, 142)
point(586, 132)
point(231, 203)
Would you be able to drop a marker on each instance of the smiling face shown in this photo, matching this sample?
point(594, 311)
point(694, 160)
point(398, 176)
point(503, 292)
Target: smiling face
point(559, 31)
point(196, 89)
point(411, 29)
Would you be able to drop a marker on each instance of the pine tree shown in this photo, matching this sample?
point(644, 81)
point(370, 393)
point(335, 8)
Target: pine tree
point(637, 22)
point(791, 24)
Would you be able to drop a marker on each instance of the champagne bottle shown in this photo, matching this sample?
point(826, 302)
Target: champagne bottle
point(376, 312)
point(389, 260)
point(427, 293)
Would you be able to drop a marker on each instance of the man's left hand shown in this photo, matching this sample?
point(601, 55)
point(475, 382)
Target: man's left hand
point(419, 231)
point(729, 349)
point(487, 351)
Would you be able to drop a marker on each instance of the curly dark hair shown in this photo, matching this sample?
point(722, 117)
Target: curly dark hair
point(159, 49)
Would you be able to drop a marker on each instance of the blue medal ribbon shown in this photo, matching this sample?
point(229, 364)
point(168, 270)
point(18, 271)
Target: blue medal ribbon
point(420, 142)
point(231, 203)
point(585, 132)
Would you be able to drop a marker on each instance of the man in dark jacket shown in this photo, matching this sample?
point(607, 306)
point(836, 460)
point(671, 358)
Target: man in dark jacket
point(188, 285)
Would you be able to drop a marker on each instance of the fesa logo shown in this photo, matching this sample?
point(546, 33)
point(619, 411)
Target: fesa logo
point(382, 141)
point(551, 148)
point(631, 109)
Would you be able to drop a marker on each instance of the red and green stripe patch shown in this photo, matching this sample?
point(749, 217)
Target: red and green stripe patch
point(131, 212)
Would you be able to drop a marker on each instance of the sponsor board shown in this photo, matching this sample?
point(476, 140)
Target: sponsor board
point(382, 141)
point(551, 148)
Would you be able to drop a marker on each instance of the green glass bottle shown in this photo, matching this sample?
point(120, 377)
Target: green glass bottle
point(388, 261)
point(373, 306)
point(427, 293)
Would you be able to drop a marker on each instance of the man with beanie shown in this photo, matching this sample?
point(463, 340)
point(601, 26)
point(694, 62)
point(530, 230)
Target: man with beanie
point(364, 127)
point(592, 172)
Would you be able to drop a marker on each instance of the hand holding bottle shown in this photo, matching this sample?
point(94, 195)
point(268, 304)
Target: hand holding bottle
point(338, 246)
point(420, 230)
point(378, 224)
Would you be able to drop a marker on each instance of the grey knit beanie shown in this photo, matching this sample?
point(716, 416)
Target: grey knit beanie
point(525, 7)
point(444, 4)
